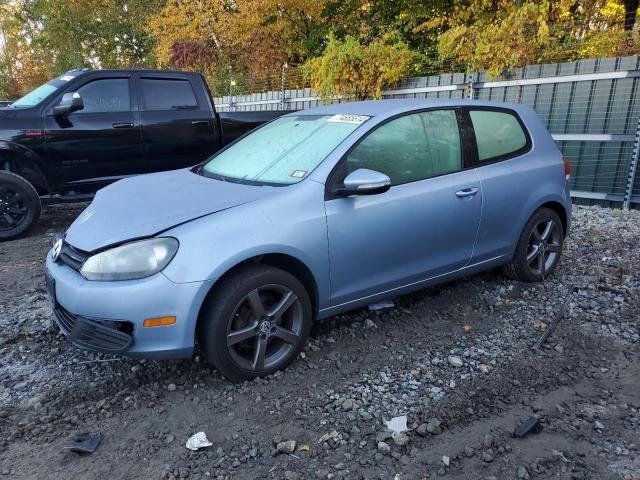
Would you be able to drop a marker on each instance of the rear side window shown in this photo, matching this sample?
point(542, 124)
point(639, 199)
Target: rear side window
point(498, 134)
point(168, 94)
point(106, 95)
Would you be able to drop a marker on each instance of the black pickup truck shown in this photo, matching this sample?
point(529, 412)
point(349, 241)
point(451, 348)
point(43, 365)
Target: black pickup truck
point(87, 128)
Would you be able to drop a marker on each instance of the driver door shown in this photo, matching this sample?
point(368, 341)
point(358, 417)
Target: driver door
point(424, 226)
point(99, 143)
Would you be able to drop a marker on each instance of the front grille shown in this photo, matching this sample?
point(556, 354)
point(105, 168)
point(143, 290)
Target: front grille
point(66, 319)
point(106, 336)
point(72, 257)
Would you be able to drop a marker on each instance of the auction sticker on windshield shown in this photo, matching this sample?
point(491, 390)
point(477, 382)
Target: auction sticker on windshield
point(342, 118)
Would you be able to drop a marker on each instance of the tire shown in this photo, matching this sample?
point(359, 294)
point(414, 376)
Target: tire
point(241, 320)
point(535, 243)
point(19, 206)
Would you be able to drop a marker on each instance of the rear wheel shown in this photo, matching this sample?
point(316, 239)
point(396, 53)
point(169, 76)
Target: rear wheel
point(19, 205)
point(539, 248)
point(256, 322)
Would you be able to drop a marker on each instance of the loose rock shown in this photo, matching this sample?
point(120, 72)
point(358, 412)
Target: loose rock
point(286, 447)
point(455, 361)
point(384, 448)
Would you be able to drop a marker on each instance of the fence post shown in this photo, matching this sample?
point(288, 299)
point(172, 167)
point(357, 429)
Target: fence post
point(633, 167)
point(282, 82)
point(469, 87)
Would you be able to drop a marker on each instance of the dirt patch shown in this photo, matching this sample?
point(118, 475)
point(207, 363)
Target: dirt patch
point(357, 370)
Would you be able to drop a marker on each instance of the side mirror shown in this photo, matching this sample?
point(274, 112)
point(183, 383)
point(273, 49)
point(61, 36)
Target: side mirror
point(364, 182)
point(69, 103)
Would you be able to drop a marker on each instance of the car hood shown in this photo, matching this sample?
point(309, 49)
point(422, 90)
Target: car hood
point(146, 205)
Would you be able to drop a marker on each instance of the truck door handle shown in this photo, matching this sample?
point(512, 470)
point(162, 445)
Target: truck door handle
point(122, 125)
point(200, 123)
point(467, 192)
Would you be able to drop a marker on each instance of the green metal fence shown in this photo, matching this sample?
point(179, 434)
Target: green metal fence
point(591, 107)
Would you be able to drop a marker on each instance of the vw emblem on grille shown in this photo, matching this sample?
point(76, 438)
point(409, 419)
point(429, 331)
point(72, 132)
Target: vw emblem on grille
point(57, 248)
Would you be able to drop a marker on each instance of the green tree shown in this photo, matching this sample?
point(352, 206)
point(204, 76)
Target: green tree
point(500, 35)
point(373, 19)
point(352, 70)
point(22, 64)
point(43, 38)
point(99, 33)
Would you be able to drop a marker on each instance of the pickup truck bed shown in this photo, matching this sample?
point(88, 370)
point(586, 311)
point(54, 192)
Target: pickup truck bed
point(236, 124)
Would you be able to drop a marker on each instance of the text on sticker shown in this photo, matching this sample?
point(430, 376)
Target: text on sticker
point(343, 118)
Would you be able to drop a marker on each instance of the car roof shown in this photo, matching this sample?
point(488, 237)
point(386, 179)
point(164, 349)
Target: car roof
point(372, 108)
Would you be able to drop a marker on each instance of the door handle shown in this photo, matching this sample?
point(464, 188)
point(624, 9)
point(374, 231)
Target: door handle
point(467, 192)
point(200, 123)
point(122, 125)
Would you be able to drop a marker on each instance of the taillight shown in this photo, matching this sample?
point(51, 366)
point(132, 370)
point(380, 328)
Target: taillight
point(567, 168)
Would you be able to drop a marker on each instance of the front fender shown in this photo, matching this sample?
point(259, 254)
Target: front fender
point(25, 162)
point(292, 225)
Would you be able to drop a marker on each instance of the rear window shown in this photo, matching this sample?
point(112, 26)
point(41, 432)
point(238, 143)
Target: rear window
point(498, 134)
point(168, 94)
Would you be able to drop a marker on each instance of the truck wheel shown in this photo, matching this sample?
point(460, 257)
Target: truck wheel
point(256, 322)
point(19, 205)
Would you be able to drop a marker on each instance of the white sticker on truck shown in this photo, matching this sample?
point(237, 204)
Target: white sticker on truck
point(344, 118)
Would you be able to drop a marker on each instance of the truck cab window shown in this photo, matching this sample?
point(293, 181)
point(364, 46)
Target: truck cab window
point(106, 95)
point(168, 94)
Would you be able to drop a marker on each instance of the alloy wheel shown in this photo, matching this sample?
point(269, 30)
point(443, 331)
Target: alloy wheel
point(13, 209)
point(544, 246)
point(265, 327)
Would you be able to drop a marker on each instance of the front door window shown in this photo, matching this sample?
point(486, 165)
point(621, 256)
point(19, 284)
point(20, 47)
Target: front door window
point(410, 148)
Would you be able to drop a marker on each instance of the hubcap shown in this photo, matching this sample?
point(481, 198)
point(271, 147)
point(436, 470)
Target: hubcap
point(543, 247)
point(265, 327)
point(13, 210)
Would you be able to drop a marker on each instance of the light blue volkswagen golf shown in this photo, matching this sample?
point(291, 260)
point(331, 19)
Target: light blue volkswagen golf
point(318, 212)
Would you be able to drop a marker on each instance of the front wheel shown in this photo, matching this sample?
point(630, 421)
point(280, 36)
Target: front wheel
point(256, 322)
point(539, 248)
point(19, 205)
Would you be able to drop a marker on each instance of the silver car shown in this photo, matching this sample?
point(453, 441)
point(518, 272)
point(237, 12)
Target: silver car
point(315, 213)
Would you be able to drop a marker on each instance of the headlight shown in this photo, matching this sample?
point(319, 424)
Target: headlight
point(131, 261)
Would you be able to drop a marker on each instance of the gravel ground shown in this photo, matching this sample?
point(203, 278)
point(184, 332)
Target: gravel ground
point(456, 360)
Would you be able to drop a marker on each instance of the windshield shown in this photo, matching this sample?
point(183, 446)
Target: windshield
point(36, 96)
point(284, 151)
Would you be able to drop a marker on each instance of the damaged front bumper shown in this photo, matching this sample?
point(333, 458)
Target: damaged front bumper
point(104, 336)
point(109, 317)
